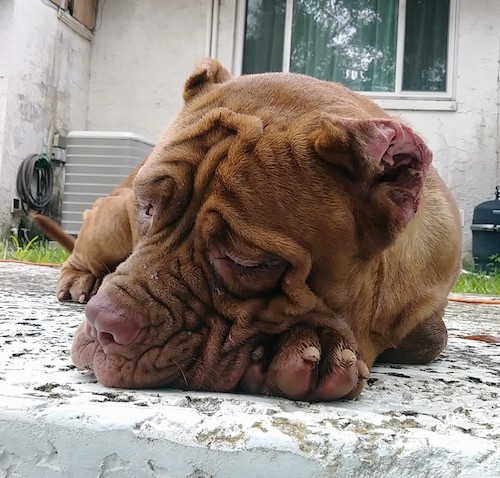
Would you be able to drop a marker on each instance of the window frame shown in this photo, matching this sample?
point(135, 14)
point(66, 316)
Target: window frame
point(399, 99)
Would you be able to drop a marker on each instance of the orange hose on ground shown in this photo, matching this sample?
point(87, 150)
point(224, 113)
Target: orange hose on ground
point(475, 300)
point(45, 264)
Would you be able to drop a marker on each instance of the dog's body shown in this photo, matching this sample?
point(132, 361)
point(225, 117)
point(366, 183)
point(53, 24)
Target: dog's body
point(285, 233)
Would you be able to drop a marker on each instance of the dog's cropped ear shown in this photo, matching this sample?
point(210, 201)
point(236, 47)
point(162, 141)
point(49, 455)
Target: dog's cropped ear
point(207, 72)
point(387, 161)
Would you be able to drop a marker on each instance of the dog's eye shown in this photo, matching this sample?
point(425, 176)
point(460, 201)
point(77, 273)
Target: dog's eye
point(260, 267)
point(247, 276)
point(145, 214)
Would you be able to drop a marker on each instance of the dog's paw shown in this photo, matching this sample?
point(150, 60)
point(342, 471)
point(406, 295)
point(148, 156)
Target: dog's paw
point(306, 364)
point(76, 285)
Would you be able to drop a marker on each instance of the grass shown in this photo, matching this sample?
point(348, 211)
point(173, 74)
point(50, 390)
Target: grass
point(475, 282)
point(478, 283)
point(40, 251)
point(33, 251)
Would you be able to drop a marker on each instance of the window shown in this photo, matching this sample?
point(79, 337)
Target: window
point(387, 48)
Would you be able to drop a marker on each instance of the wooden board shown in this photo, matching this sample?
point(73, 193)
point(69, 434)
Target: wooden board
point(84, 12)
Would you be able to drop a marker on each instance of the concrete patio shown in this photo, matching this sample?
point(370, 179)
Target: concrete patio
point(440, 420)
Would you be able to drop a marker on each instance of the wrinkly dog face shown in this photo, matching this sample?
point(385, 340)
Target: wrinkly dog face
point(263, 187)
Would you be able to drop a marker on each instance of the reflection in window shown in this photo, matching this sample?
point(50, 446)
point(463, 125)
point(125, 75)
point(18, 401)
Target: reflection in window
point(354, 42)
point(264, 32)
point(426, 45)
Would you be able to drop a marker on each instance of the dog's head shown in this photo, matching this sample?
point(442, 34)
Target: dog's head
point(265, 191)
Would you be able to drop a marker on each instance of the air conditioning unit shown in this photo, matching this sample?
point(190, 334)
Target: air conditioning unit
point(96, 162)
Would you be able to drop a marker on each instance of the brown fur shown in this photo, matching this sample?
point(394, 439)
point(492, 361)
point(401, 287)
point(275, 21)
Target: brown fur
point(53, 230)
point(277, 215)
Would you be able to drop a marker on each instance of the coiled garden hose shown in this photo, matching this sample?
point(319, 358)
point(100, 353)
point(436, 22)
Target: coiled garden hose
point(35, 172)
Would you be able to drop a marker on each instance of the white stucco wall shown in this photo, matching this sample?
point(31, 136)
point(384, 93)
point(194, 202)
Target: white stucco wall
point(47, 88)
point(142, 54)
point(6, 11)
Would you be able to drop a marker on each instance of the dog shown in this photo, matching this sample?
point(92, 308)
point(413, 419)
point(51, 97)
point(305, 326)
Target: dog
point(283, 235)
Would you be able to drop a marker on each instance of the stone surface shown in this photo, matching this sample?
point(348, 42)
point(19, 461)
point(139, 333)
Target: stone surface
point(440, 420)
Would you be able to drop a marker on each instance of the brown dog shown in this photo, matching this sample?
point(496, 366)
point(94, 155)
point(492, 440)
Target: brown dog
point(283, 234)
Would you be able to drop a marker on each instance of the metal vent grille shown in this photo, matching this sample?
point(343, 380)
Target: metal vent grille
point(96, 162)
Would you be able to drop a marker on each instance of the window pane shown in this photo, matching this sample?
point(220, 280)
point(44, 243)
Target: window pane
point(426, 45)
point(349, 41)
point(264, 32)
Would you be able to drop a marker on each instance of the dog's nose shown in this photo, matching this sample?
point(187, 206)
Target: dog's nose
point(112, 322)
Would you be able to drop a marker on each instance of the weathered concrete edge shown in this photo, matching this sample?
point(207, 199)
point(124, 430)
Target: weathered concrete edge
point(118, 440)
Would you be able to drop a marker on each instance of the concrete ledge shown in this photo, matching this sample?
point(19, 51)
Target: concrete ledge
point(441, 420)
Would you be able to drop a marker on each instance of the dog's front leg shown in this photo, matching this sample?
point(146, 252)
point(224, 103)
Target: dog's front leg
point(106, 239)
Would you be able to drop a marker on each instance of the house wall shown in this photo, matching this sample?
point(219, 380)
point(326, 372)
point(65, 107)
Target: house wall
point(6, 13)
point(44, 89)
point(142, 54)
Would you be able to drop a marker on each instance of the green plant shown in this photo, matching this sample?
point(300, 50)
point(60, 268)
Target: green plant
point(468, 264)
point(478, 283)
point(495, 262)
point(34, 250)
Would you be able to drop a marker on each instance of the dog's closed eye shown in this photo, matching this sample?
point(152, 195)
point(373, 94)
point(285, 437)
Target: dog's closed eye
point(245, 265)
point(246, 275)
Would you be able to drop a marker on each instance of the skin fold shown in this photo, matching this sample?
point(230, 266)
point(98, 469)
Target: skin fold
point(283, 234)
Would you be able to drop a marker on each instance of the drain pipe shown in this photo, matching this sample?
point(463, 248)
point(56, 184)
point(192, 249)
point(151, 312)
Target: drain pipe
point(212, 36)
point(498, 121)
point(208, 37)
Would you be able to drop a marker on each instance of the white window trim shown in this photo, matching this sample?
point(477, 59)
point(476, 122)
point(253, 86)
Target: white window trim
point(74, 24)
point(399, 100)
